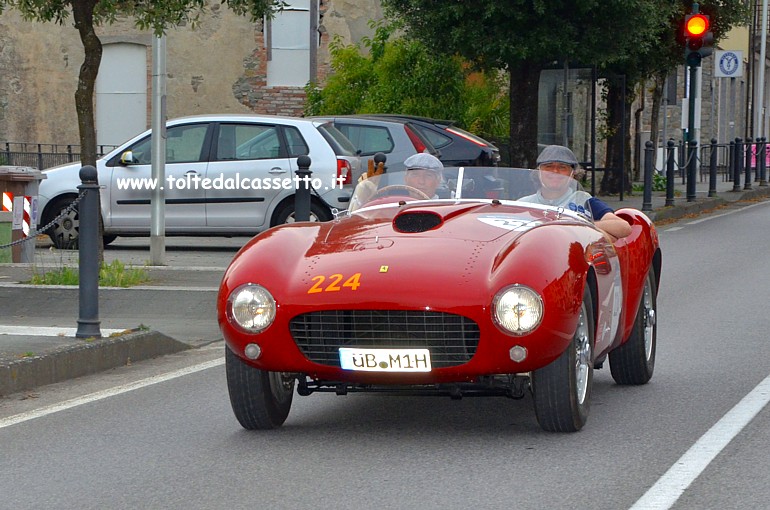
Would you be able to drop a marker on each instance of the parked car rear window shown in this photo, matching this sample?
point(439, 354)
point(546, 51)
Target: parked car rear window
point(338, 141)
point(369, 139)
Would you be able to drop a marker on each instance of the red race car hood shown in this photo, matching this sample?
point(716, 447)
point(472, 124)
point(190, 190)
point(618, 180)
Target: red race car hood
point(462, 221)
point(425, 254)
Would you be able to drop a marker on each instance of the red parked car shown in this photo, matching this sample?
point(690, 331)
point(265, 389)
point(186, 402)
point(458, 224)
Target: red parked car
point(477, 293)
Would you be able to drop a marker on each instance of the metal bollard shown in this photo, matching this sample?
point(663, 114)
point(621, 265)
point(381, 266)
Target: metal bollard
point(738, 164)
point(647, 194)
point(670, 163)
point(762, 162)
point(88, 253)
point(692, 162)
point(302, 195)
point(747, 168)
point(730, 162)
point(713, 169)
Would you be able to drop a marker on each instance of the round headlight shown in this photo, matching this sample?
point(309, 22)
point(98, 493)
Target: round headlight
point(517, 309)
point(251, 307)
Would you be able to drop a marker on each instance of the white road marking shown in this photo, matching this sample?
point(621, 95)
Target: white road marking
point(110, 392)
point(136, 287)
point(677, 479)
point(49, 331)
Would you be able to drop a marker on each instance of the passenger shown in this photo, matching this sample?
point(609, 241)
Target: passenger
point(424, 172)
point(557, 164)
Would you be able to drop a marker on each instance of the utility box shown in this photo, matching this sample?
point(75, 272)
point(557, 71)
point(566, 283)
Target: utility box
point(20, 181)
point(5, 236)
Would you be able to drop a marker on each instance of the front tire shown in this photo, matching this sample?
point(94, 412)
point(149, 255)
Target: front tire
point(260, 400)
point(634, 361)
point(65, 232)
point(562, 389)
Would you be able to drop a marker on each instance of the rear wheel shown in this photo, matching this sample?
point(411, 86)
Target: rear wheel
point(286, 214)
point(562, 390)
point(260, 400)
point(634, 361)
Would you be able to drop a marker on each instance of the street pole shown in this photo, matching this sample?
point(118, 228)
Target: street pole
point(759, 96)
point(692, 142)
point(158, 142)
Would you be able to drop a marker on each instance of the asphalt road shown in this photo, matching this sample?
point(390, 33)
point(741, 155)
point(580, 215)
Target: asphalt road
point(160, 434)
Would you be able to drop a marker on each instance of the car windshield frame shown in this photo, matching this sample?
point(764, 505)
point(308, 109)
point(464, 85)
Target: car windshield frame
point(499, 185)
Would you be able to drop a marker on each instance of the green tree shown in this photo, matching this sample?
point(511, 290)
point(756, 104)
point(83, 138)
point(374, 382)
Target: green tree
point(653, 63)
point(400, 75)
point(521, 37)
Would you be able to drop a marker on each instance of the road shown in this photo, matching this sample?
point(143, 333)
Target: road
point(160, 434)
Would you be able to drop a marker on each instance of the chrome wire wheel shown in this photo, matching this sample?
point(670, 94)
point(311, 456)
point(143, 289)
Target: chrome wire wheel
point(649, 320)
point(582, 356)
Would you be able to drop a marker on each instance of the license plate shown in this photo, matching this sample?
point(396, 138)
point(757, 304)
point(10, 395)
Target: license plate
point(385, 360)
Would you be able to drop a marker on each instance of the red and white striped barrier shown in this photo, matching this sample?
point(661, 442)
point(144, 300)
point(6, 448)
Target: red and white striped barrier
point(26, 220)
point(7, 201)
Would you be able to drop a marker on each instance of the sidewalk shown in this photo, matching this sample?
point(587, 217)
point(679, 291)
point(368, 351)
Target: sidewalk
point(176, 310)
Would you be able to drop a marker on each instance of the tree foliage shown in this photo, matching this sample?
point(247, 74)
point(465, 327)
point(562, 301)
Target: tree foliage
point(400, 75)
point(522, 37)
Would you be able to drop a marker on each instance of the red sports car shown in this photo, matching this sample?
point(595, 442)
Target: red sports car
point(472, 291)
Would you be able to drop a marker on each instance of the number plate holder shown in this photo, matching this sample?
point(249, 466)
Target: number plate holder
point(385, 360)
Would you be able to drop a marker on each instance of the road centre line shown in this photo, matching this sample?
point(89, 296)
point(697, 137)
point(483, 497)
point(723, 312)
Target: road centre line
point(669, 487)
point(110, 392)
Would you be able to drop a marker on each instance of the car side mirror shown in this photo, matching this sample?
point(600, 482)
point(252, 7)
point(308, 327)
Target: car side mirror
point(127, 158)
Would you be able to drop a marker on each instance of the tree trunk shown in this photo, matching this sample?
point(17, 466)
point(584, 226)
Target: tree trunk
point(618, 156)
point(659, 81)
point(83, 15)
point(524, 86)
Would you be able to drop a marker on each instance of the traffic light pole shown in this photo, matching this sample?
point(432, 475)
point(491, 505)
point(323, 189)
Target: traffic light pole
point(692, 142)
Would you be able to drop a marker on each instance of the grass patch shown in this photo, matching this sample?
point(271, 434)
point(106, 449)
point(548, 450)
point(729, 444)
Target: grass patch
point(114, 274)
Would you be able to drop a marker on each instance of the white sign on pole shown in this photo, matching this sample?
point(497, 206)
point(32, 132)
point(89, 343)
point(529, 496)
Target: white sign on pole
point(18, 212)
point(729, 64)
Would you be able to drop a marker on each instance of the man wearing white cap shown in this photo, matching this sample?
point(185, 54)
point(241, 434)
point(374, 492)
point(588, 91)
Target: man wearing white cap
point(424, 172)
point(557, 165)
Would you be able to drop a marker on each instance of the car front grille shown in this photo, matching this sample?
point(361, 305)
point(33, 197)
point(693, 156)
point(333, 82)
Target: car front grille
point(451, 339)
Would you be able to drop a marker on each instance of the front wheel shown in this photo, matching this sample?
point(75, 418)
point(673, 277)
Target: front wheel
point(562, 389)
point(65, 231)
point(634, 361)
point(260, 400)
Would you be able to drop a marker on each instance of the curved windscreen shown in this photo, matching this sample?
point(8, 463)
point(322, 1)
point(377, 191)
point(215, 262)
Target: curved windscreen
point(541, 188)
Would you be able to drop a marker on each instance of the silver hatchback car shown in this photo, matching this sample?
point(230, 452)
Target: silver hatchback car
point(224, 175)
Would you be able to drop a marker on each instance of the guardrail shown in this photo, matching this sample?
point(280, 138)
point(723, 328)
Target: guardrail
point(43, 155)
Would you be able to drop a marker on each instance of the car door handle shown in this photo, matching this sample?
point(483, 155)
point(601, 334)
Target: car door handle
point(277, 170)
point(191, 172)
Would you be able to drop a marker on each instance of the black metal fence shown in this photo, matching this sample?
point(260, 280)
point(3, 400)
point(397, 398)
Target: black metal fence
point(43, 155)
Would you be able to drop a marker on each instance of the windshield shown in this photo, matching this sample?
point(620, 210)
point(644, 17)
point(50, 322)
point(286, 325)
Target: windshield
point(543, 189)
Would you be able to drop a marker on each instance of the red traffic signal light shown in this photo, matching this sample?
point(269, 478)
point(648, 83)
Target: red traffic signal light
point(696, 25)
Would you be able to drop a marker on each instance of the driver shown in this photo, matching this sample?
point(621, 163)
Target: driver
point(557, 165)
point(424, 172)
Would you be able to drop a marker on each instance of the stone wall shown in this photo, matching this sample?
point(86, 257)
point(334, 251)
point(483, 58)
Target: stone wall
point(219, 67)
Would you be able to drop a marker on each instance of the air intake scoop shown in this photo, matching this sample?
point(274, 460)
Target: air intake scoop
point(417, 221)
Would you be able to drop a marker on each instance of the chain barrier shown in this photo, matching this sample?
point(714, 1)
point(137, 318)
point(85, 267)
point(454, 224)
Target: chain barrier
point(42, 230)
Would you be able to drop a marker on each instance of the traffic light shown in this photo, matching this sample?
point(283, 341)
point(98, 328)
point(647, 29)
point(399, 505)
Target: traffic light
point(699, 39)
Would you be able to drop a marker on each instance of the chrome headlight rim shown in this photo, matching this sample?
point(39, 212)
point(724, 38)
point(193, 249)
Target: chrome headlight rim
point(265, 304)
point(536, 298)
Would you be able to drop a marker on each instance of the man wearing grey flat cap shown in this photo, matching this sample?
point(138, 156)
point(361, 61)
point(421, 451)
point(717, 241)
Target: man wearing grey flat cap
point(424, 172)
point(557, 165)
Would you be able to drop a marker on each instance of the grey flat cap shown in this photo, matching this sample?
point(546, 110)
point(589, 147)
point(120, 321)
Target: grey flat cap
point(557, 154)
point(424, 161)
